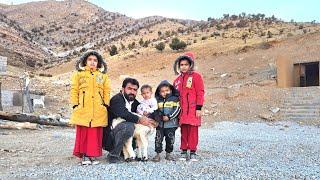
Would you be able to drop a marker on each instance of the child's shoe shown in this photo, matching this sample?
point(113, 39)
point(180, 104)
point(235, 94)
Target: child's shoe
point(94, 161)
point(86, 161)
point(169, 157)
point(184, 155)
point(193, 156)
point(156, 158)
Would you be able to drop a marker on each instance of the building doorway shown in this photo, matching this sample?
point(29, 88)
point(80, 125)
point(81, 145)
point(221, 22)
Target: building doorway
point(312, 74)
point(307, 74)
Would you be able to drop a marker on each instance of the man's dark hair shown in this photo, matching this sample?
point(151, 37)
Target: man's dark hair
point(145, 86)
point(131, 81)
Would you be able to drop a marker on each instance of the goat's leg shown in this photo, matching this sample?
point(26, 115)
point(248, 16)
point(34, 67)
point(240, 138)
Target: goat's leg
point(129, 148)
point(144, 140)
point(139, 148)
point(125, 150)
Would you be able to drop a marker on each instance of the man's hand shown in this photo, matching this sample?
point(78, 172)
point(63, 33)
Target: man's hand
point(165, 118)
point(145, 121)
point(198, 113)
point(154, 123)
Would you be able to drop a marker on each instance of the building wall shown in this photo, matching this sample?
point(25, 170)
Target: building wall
point(289, 71)
point(14, 98)
point(285, 72)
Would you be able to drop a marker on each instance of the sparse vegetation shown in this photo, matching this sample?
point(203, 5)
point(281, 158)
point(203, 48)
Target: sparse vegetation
point(160, 46)
point(270, 34)
point(132, 45)
point(141, 42)
point(114, 50)
point(305, 31)
point(177, 44)
point(204, 38)
point(242, 23)
point(146, 43)
point(123, 47)
point(244, 37)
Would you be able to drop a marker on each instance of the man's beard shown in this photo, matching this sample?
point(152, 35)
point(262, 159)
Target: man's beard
point(129, 97)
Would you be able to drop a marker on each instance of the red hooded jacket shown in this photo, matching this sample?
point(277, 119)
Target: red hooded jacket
point(191, 90)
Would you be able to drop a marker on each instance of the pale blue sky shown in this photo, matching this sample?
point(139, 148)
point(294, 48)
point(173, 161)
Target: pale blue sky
point(299, 10)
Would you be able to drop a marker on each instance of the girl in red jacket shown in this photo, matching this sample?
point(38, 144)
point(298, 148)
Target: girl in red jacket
point(191, 90)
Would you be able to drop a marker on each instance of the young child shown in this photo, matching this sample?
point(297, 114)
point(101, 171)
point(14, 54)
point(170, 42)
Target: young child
point(167, 116)
point(191, 89)
point(149, 104)
point(90, 93)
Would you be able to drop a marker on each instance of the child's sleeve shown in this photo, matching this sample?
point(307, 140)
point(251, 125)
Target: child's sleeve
point(176, 109)
point(199, 86)
point(154, 104)
point(106, 91)
point(156, 115)
point(140, 109)
point(74, 91)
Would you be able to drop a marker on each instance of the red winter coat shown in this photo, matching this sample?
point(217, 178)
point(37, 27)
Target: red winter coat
point(191, 90)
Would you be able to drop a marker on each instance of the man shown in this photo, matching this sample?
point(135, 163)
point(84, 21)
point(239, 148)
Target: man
point(122, 105)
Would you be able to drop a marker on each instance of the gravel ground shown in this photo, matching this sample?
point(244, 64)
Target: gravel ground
point(228, 150)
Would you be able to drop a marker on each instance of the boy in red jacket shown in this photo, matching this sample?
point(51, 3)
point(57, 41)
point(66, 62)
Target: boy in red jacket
point(191, 90)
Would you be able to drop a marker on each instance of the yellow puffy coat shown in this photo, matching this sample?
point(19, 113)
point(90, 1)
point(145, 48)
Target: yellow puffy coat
point(90, 91)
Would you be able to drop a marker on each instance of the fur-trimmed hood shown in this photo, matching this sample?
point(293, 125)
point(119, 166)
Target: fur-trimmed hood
point(187, 56)
point(102, 66)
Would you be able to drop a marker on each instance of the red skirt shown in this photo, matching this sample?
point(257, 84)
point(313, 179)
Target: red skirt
point(88, 141)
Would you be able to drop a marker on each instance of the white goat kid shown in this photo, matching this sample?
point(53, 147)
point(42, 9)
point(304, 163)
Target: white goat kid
point(141, 133)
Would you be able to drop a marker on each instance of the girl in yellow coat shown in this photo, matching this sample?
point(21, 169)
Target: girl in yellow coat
point(90, 94)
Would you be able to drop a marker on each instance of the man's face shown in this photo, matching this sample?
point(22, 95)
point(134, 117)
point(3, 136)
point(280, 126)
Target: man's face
point(184, 66)
point(130, 91)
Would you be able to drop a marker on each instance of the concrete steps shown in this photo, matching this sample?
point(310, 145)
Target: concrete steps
point(301, 103)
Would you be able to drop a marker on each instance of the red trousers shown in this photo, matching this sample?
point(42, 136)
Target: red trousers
point(88, 141)
point(189, 137)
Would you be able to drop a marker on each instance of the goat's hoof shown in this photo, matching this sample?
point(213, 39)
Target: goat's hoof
point(129, 159)
point(144, 159)
point(138, 159)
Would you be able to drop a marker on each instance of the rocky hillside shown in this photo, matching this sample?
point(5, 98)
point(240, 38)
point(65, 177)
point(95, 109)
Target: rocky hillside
point(66, 28)
point(18, 47)
point(62, 30)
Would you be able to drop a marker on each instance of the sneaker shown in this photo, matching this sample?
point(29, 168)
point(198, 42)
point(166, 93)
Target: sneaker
point(169, 157)
point(156, 158)
point(184, 155)
point(85, 161)
point(193, 157)
point(113, 159)
point(94, 161)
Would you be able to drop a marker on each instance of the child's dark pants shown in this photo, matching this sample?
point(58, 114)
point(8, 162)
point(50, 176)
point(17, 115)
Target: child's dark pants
point(169, 135)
